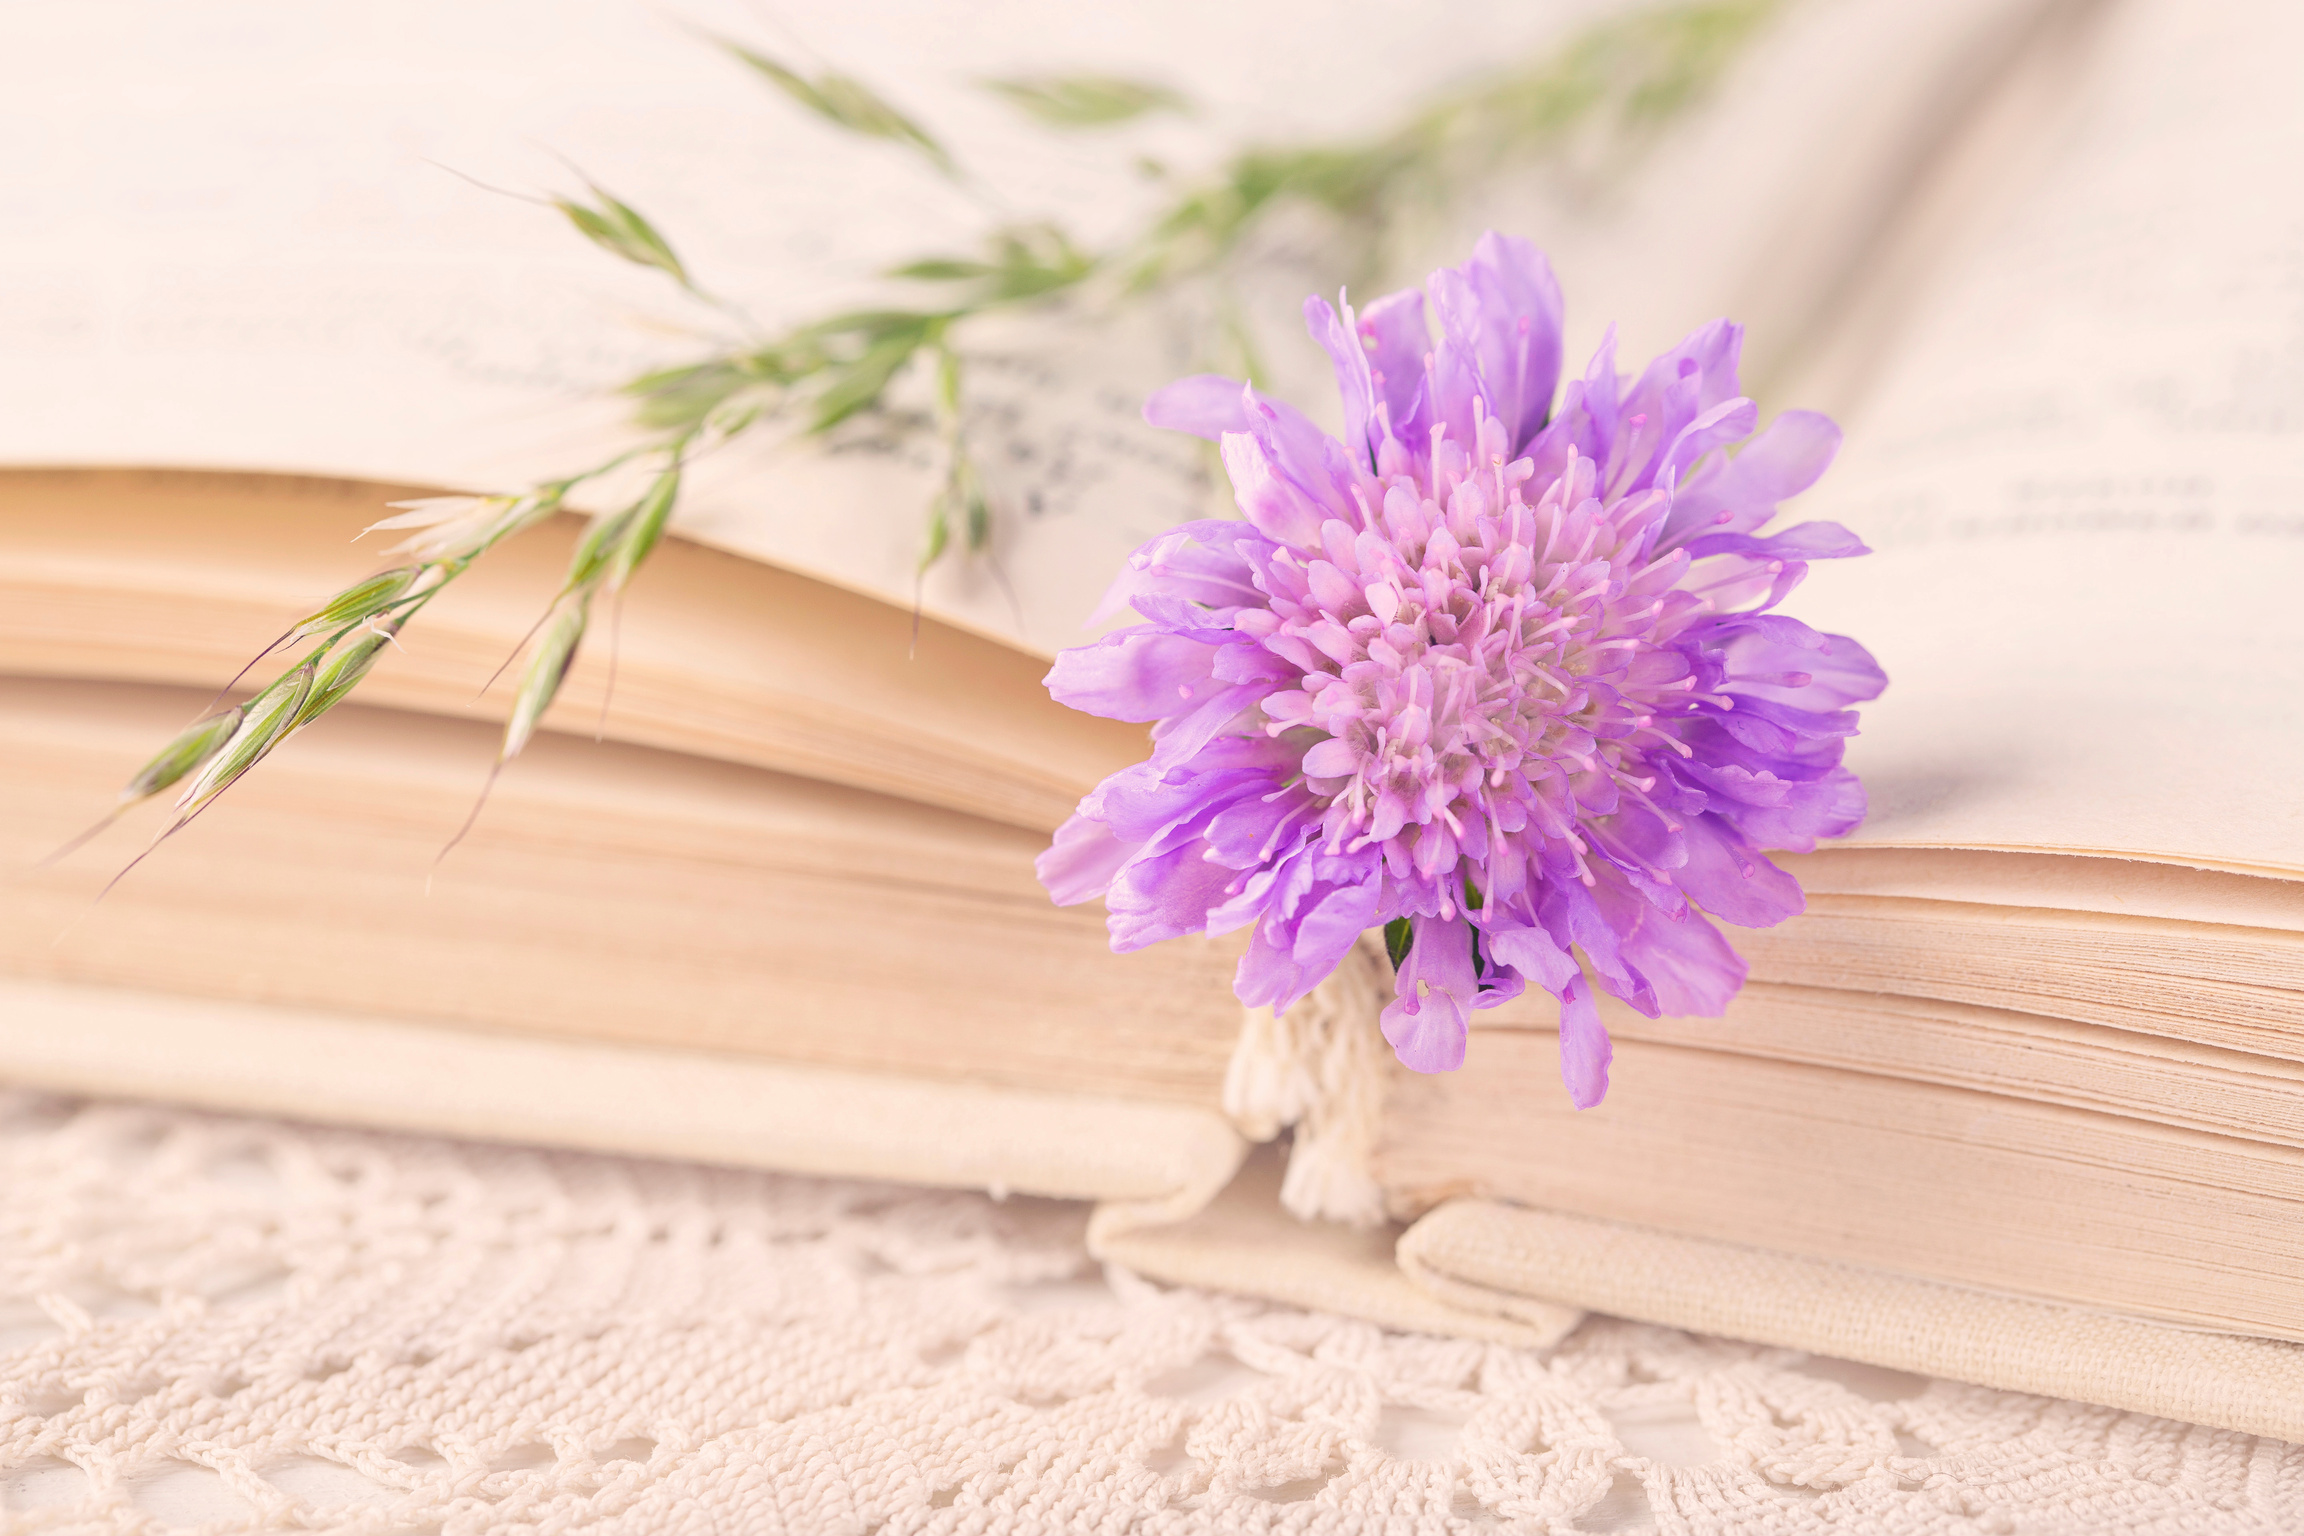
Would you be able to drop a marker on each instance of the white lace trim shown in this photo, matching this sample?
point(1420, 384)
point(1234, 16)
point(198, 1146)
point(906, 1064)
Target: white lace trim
point(206, 1318)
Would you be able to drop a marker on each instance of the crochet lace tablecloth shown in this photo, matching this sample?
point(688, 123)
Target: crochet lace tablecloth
point(227, 1324)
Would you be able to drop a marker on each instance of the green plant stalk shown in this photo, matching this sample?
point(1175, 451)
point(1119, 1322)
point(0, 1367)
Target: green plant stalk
point(1646, 67)
point(1650, 65)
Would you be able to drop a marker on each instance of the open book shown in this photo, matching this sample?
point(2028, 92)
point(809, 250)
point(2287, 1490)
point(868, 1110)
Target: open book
point(783, 911)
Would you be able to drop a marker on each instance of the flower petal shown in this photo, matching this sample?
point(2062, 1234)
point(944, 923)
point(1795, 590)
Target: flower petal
point(1342, 342)
point(1275, 504)
point(1691, 965)
point(1204, 404)
point(1730, 421)
point(1334, 758)
point(1587, 419)
point(1309, 458)
point(1500, 315)
point(1316, 906)
point(1428, 1024)
point(1732, 880)
point(1134, 674)
point(1832, 806)
point(1397, 337)
point(1534, 953)
point(1333, 923)
point(1801, 541)
point(1571, 913)
point(1179, 738)
point(1817, 672)
point(1585, 1051)
point(1674, 390)
point(1145, 806)
point(1080, 863)
point(1197, 562)
point(1743, 494)
point(1163, 896)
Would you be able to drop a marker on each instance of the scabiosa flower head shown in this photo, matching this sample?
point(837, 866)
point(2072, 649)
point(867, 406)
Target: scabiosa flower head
point(1503, 677)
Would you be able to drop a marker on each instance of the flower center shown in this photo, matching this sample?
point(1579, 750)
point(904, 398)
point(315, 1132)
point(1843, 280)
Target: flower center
point(1479, 655)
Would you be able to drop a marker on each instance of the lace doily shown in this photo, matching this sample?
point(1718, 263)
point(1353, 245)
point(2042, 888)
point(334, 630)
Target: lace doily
point(227, 1324)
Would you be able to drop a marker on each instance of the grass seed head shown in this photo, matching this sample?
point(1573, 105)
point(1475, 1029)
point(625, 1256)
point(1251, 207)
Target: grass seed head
point(444, 526)
point(359, 601)
point(649, 515)
point(194, 745)
point(597, 547)
point(340, 671)
point(265, 722)
point(547, 669)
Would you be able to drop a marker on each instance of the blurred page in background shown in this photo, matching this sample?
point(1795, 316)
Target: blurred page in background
point(1762, 205)
point(233, 243)
point(2084, 475)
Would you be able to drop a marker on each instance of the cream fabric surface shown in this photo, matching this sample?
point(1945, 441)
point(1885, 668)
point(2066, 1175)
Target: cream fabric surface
point(225, 1324)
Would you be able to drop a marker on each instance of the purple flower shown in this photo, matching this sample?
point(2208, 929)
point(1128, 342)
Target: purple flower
point(1502, 679)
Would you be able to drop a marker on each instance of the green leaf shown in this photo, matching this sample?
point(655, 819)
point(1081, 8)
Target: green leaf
point(939, 531)
point(1032, 259)
point(1023, 261)
point(649, 515)
point(676, 398)
point(942, 269)
point(596, 548)
point(848, 103)
point(1086, 101)
point(963, 497)
point(735, 422)
point(618, 228)
point(948, 383)
point(858, 386)
point(978, 512)
point(1399, 935)
point(871, 325)
point(1625, 73)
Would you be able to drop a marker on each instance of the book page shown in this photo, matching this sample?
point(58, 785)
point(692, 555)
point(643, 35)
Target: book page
point(2084, 477)
point(241, 237)
point(1981, 1189)
point(614, 893)
point(1992, 1050)
point(2056, 882)
point(172, 576)
point(1765, 203)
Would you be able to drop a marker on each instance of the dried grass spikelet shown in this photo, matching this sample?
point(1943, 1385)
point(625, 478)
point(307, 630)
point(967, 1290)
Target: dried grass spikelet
point(361, 601)
point(340, 669)
point(547, 670)
point(1320, 1067)
point(443, 525)
point(192, 747)
point(455, 530)
point(265, 723)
